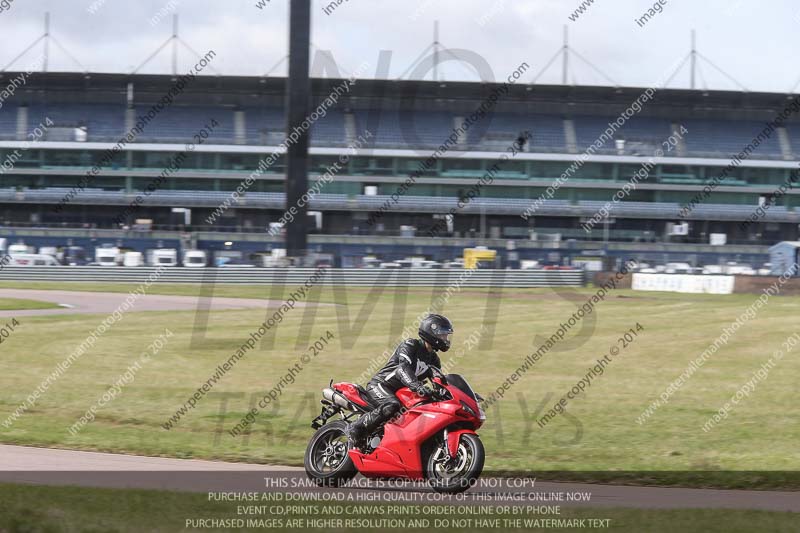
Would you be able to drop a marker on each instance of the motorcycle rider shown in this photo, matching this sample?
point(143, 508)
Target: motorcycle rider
point(414, 359)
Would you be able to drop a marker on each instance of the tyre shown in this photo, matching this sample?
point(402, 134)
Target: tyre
point(326, 461)
point(460, 472)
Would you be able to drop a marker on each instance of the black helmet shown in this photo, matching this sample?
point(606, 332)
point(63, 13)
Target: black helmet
point(436, 330)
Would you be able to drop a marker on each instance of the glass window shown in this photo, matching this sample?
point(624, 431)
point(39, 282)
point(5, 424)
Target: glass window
point(320, 164)
point(450, 165)
point(257, 186)
point(21, 182)
point(594, 171)
point(152, 159)
point(765, 176)
point(184, 184)
point(406, 166)
point(200, 161)
point(547, 169)
point(374, 166)
point(249, 162)
point(64, 158)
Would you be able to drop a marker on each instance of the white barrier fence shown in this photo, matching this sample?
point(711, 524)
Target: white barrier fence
point(687, 283)
point(341, 276)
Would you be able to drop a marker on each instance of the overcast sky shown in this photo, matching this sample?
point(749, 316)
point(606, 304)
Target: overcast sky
point(755, 42)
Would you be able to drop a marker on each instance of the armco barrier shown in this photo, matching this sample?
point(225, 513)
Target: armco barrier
point(291, 276)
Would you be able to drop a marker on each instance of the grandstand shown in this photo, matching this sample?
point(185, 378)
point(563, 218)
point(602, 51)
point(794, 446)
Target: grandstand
point(408, 121)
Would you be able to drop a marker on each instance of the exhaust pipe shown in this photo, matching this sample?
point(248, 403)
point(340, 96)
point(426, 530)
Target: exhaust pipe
point(338, 399)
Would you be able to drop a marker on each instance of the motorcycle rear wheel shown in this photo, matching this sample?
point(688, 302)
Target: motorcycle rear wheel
point(460, 472)
point(326, 461)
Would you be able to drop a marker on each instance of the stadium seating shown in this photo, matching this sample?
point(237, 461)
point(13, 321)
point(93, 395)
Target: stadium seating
point(642, 135)
point(329, 130)
point(103, 122)
point(180, 123)
point(393, 128)
point(267, 126)
point(794, 137)
point(547, 132)
point(8, 122)
point(262, 124)
point(723, 138)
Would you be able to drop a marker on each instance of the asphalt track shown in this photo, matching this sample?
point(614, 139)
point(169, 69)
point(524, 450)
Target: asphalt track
point(45, 466)
point(107, 302)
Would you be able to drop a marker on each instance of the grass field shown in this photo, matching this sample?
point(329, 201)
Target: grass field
point(599, 433)
point(19, 304)
point(67, 510)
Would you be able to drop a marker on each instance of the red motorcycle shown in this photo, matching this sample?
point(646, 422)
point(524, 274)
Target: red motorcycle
point(430, 439)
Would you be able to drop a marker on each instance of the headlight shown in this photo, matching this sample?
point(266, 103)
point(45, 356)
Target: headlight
point(482, 413)
point(467, 408)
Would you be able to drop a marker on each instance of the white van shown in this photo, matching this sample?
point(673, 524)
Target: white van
point(678, 268)
point(167, 257)
point(133, 259)
point(49, 250)
point(32, 260)
point(195, 259)
point(108, 256)
point(21, 249)
point(276, 258)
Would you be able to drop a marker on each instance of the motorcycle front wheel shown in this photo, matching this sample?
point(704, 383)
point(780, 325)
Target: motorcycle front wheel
point(326, 461)
point(457, 474)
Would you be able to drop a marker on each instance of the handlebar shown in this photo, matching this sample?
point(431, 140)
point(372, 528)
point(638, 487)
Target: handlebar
point(438, 374)
point(439, 391)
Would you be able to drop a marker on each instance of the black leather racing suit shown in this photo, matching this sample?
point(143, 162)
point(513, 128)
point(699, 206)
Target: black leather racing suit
point(410, 362)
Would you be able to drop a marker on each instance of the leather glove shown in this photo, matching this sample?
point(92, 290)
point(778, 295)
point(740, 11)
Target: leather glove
point(439, 374)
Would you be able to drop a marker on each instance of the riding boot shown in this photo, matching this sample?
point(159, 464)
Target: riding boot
point(365, 425)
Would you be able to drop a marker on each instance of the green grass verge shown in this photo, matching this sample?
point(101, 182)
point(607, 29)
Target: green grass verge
point(599, 434)
point(20, 304)
point(42, 509)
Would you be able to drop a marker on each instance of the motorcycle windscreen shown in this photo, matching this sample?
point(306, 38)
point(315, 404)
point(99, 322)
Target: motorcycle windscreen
point(461, 384)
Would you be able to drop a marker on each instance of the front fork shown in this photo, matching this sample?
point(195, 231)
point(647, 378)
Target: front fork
point(451, 439)
point(446, 445)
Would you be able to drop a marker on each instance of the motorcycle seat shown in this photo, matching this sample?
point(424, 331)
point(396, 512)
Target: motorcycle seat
point(362, 392)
